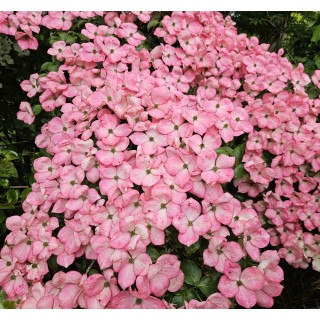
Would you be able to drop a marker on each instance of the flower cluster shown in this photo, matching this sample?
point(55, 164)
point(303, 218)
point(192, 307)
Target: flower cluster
point(24, 25)
point(144, 144)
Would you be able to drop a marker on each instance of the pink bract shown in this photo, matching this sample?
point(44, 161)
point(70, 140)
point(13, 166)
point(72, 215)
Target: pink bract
point(143, 163)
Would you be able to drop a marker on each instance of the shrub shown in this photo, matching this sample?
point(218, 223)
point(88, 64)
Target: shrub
point(180, 167)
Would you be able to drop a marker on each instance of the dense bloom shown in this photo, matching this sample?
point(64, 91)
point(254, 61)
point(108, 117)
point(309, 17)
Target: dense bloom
point(158, 153)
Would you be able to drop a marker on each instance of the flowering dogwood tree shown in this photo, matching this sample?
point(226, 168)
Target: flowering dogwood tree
point(180, 163)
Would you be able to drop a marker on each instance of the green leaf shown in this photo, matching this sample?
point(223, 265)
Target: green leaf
point(71, 39)
point(192, 273)
point(152, 24)
point(178, 301)
point(239, 171)
point(40, 37)
point(7, 206)
point(12, 195)
point(25, 193)
point(208, 284)
point(31, 179)
point(2, 216)
point(4, 303)
point(239, 151)
point(82, 266)
point(316, 34)
point(9, 304)
point(313, 93)
point(2, 295)
point(4, 182)
point(52, 40)
point(63, 36)
point(45, 66)
point(267, 157)
point(157, 15)
point(92, 271)
point(144, 44)
point(81, 22)
point(190, 294)
point(10, 155)
point(317, 61)
point(52, 264)
point(225, 150)
point(49, 66)
point(3, 228)
point(36, 109)
point(83, 37)
point(153, 253)
point(7, 169)
point(193, 248)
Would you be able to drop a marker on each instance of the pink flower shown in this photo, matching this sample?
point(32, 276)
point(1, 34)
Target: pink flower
point(70, 184)
point(136, 265)
point(58, 20)
point(131, 235)
point(31, 86)
point(90, 53)
point(216, 169)
point(255, 238)
point(175, 127)
point(112, 154)
point(114, 178)
point(110, 131)
point(241, 285)
point(299, 78)
point(214, 301)
point(150, 142)
point(26, 113)
point(316, 78)
point(201, 121)
point(134, 300)
point(147, 172)
point(143, 16)
point(36, 298)
point(210, 141)
point(161, 207)
point(70, 282)
point(129, 31)
point(45, 169)
point(164, 275)
point(26, 40)
point(99, 290)
point(189, 223)
point(182, 167)
point(111, 47)
point(15, 286)
point(138, 139)
point(219, 251)
point(57, 49)
point(37, 270)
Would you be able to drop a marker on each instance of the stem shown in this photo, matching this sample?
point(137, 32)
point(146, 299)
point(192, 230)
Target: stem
point(18, 187)
point(90, 266)
point(198, 295)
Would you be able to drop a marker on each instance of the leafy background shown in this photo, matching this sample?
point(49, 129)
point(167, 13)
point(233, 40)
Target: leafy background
point(297, 32)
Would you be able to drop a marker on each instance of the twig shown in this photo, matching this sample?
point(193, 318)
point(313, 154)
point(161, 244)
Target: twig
point(18, 187)
point(90, 266)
